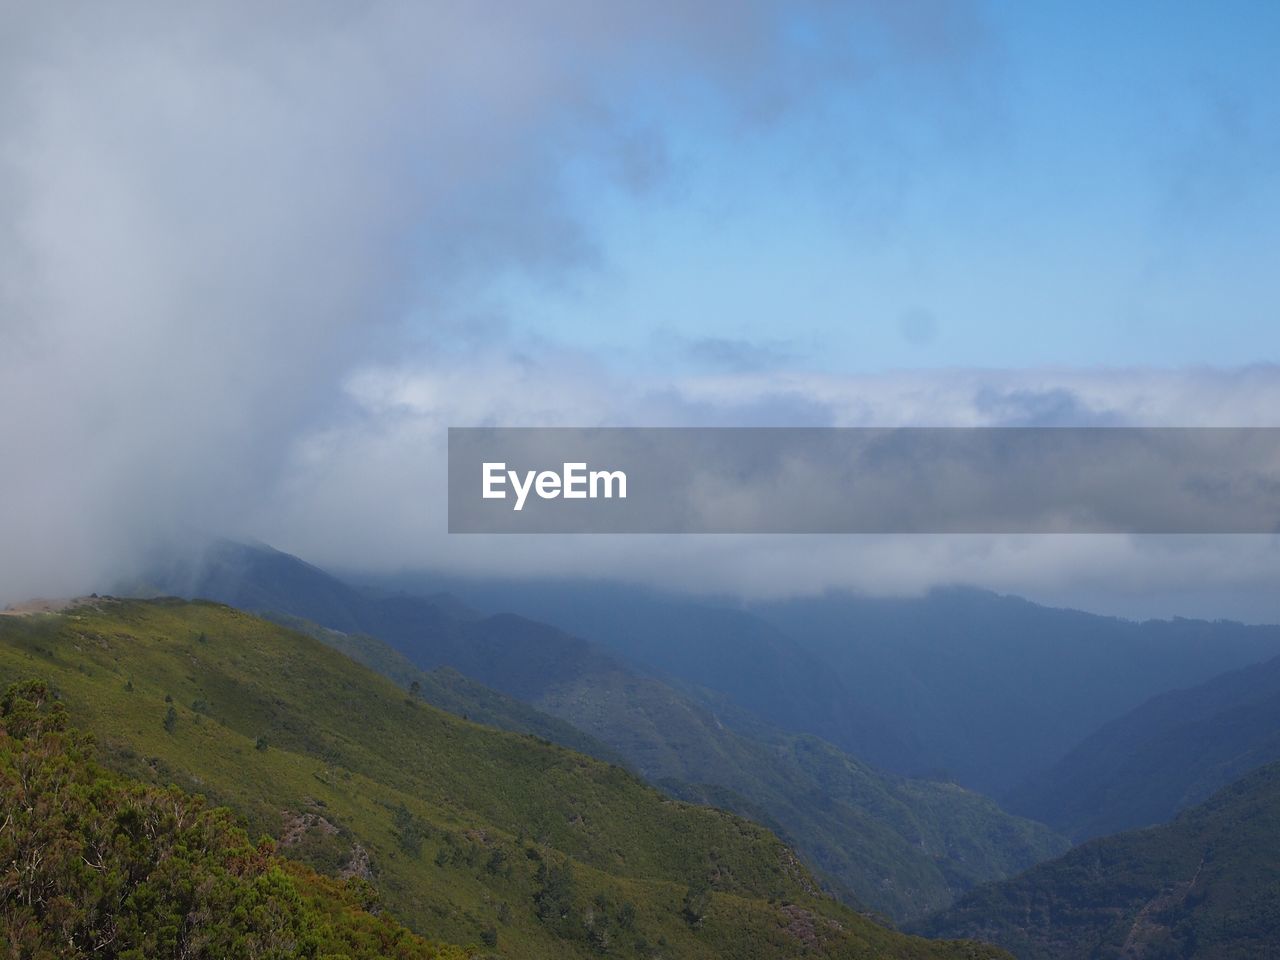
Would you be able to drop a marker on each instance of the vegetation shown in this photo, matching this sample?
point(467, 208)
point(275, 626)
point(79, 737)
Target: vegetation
point(1204, 887)
point(468, 835)
point(449, 690)
point(899, 847)
point(104, 867)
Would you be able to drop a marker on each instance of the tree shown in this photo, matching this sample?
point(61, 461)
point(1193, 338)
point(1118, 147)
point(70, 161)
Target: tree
point(553, 901)
point(410, 830)
point(697, 901)
point(627, 915)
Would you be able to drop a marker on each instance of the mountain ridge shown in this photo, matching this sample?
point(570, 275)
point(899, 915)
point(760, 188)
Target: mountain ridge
point(1172, 751)
point(957, 684)
point(470, 834)
point(998, 687)
point(885, 843)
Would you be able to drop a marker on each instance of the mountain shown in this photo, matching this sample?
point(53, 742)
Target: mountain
point(469, 835)
point(959, 684)
point(706, 643)
point(899, 847)
point(994, 689)
point(1171, 752)
point(1204, 887)
point(449, 690)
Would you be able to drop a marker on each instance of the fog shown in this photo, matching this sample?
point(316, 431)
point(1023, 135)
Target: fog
point(212, 215)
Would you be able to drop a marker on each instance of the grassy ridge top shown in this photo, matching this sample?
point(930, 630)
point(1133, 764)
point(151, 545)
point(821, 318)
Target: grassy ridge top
point(472, 835)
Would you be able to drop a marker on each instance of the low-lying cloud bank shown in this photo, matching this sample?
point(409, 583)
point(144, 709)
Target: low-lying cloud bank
point(378, 480)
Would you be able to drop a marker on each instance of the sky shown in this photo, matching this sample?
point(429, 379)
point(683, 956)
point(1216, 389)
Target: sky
point(1045, 184)
point(255, 260)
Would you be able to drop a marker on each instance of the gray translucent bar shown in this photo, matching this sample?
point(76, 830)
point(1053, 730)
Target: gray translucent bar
point(838, 480)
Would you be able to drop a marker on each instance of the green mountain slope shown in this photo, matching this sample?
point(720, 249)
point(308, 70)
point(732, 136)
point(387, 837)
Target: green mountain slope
point(449, 690)
point(1204, 887)
point(471, 835)
point(696, 640)
point(1173, 751)
point(907, 847)
point(103, 866)
point(901, 848)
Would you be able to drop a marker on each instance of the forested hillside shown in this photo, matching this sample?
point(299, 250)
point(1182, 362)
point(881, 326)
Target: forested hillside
point(1204, 887)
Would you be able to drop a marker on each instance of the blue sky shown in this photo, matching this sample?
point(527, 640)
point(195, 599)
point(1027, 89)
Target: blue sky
point(1052, 184)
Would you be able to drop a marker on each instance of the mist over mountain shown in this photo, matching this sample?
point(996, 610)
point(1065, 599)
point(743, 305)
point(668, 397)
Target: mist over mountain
point(264, 266)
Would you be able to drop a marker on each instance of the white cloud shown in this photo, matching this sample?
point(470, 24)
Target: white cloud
point(379, 483)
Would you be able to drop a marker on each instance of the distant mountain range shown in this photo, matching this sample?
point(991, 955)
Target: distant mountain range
point(1172, 751)
point(698, 641)
point(1205, 886)
point(897, 846)
point(960, 684)
point(999, 688)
